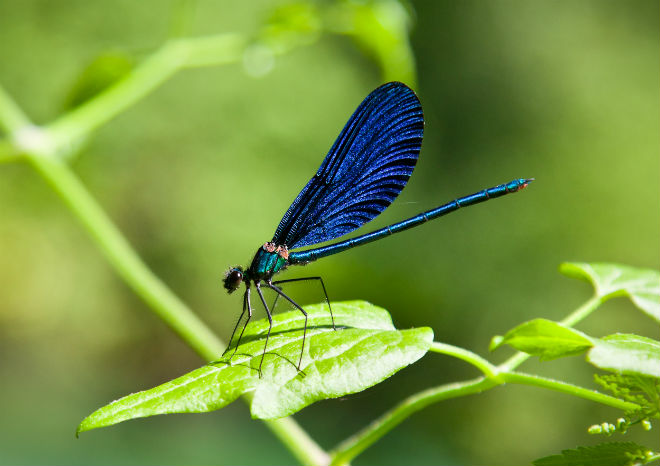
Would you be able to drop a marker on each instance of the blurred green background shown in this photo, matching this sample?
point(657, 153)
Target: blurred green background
point(198, 174)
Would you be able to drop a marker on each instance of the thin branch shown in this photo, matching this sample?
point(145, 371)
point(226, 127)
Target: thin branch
point(559, 386)
point(653, 457)
point(356, 444)
point(496, 375)
point(488, 369)
point(124, 259)
point(299, 443)
point(155, 293)
point(160, 66)
point(42, 145)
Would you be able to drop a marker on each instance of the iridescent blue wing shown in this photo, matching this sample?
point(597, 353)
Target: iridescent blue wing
point(365, 170)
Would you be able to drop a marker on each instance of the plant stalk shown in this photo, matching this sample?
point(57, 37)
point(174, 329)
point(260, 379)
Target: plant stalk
point(124, 259)
point(356, 444)
point(57, 141)
point(493, 376)
point(156, 294)
point(154, 71)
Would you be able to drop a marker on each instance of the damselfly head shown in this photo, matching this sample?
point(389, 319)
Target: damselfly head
point(233, 279)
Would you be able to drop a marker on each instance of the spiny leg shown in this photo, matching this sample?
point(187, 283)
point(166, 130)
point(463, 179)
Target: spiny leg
point(327, 300)
point(272, 307)
point(236, 327)
point(248, 305)
point(280, 292)
point(270, 326)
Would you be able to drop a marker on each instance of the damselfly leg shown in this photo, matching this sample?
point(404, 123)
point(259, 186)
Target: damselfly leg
point(325, 293)
point(281, 293)
point(246, 306)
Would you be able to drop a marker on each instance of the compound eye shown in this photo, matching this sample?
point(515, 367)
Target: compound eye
point(235, 278)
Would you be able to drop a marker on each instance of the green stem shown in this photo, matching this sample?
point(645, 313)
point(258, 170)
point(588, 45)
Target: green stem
point(156, 69)
point(494, 376)
point(492, 372)
point(299, 443)
point(654, 457)
point(58, 139)
point(359, 442)
point(559, 386)
point(155, 293)
point(120, 254)
point(356, 444)
point(480, 363)
point(582, 312)
point(79, 122)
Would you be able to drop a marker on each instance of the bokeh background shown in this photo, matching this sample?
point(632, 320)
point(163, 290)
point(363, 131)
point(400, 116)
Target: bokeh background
point(198, 174)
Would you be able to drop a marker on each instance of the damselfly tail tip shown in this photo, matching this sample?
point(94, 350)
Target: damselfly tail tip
point(526, 181)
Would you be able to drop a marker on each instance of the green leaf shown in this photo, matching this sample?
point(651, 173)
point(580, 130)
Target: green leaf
point(290, 25)
point(365, 349)
point(604, 454)
point(382, 30)
point(638, 389)
point(104, 71)
point(496, 342)
point(342, 363)
point(545, 339)
point(642, 286)
point(627, 354)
